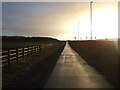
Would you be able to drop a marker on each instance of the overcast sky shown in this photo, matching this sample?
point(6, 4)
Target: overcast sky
point(58, 20)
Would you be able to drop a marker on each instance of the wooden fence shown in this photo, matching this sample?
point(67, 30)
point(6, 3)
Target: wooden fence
point(9, 56)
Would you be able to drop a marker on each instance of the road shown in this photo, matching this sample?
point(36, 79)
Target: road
point(71, 71)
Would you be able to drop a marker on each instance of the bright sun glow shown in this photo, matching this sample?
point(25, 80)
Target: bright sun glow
point(104, 25)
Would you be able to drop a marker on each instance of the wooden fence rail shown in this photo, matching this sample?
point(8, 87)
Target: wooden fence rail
point(9, 56)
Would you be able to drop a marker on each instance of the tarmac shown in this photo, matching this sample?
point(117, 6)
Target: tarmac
point(71, 71)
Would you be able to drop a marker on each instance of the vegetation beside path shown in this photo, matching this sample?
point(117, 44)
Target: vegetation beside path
point(102, 55)
point(33, 71)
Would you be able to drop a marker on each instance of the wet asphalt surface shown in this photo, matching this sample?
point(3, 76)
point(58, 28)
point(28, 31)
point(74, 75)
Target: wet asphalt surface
point(71, 71)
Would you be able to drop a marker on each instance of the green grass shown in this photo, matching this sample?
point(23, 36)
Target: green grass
point(11, 73)
point(10, 45)
point(103, 55)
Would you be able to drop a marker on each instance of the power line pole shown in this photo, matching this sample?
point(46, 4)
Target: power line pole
point(74, 34)
point(78, 30)
point(91, 17)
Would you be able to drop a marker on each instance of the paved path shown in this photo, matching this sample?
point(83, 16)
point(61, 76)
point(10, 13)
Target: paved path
point(72, 71)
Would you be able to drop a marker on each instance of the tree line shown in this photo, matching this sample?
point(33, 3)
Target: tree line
point(24, 39)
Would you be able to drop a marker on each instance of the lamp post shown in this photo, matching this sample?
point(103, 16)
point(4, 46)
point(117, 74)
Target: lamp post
point(91, 18)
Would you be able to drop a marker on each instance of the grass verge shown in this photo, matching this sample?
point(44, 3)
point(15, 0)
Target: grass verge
point(102, 55)
point(32, 71)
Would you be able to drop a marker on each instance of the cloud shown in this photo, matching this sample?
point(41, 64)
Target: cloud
point(43, 18)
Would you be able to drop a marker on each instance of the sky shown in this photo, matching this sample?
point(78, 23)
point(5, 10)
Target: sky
point(60, 19)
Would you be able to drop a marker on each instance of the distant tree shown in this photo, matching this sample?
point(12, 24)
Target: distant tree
point(24, 39)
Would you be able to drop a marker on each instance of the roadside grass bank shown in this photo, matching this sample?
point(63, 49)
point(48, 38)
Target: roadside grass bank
point(32, 71)
point(102, 55)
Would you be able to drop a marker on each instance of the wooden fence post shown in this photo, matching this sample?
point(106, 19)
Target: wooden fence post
point(17, 54)
point(23, 53)
point(8, 56)
point(36, 49)
point(40, 48)
point(28, 51)
point(32, 50)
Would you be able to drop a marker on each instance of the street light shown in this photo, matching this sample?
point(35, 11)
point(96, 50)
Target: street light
point(91, 17)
